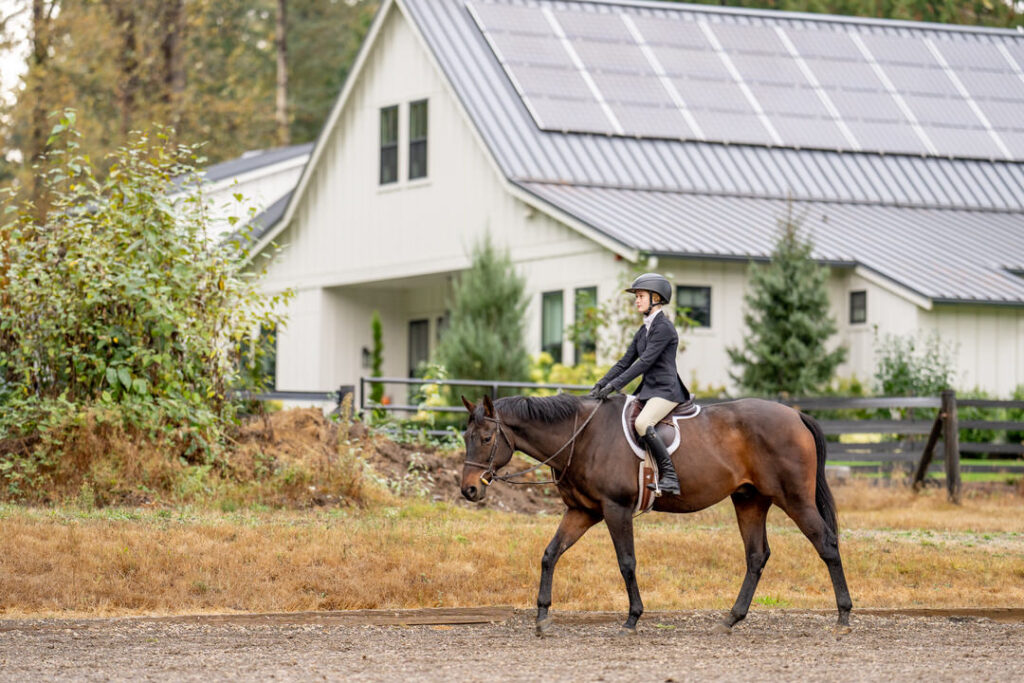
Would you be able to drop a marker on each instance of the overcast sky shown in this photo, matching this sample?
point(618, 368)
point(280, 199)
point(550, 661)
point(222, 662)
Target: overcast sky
point(12, 62)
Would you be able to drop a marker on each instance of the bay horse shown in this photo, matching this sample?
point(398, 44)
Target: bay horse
point(757, 452)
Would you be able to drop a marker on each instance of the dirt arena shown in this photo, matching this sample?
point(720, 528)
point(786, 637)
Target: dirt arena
point(492, 644)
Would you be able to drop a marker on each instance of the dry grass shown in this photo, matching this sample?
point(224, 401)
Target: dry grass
point(899, 550)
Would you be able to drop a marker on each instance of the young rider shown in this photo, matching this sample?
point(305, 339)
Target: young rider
point(652, 354)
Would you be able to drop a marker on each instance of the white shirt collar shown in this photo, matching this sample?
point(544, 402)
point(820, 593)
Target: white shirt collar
point(648, 319)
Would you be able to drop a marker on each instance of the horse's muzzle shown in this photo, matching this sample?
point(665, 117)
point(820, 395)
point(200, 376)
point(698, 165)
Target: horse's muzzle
point(474, 493)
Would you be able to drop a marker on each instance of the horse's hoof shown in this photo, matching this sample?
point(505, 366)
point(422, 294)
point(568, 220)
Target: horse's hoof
point(625, 631)
point(722, 629)
point(544, 627)
point(841, 630)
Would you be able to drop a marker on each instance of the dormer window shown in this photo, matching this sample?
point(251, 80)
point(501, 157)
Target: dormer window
point(389, 145)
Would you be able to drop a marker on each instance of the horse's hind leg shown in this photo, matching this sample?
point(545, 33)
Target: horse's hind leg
point(751, 513)
point(574, 524)
point(620, 525)
point(826, 543)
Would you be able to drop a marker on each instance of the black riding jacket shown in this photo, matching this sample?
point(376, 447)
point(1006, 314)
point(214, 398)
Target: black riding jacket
point(652, 355)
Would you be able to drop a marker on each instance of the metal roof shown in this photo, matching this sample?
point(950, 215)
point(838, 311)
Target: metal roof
point(885, 201)
point(250, 161)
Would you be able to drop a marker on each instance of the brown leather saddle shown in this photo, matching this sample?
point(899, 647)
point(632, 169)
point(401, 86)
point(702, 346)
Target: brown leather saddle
point(667, 429)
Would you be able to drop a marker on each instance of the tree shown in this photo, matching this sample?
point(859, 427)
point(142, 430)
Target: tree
point(909, 365)
point(788, 322)
point(485, 337)
point(118, 303)
point(377, 357)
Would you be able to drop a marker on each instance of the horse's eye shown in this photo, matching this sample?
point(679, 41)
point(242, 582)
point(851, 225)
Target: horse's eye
point(488, 438)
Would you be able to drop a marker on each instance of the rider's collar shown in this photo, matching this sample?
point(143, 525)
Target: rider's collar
point(648, 319)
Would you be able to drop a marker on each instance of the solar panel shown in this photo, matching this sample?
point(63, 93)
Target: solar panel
point(886, 136)
point(657, 122)
point(845, 75)
point(963, 142)
point(523, 49)
point(748, 39)
point(633, 89)
point(716, 95)
point(603, 26)
point(809, 132)
point(768, 68)
point(692, 63)
point(556, 82)
point(866, 106)
point(671, 32)
point(732, 127)
point(823, 42)
point(515, 18)
point(931, 81)
point(790, 100)
point(943, 111)
point(583, 116)
point(597, 56)
point(831, 85)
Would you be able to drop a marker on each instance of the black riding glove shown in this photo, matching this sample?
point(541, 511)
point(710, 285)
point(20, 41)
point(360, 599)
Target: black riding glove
point(605, 391)
point(595, 391)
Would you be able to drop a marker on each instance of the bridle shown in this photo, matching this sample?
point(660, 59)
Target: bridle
point(491, 474)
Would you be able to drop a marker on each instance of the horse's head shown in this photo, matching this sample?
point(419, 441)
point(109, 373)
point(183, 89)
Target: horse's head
point(489, 447)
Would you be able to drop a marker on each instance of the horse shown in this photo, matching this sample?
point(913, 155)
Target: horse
point(757, 452)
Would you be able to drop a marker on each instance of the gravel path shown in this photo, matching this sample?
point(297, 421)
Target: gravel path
point(780, 644)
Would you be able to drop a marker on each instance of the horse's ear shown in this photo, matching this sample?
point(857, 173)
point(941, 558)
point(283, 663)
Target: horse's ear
point(469, 405)
point(488, 406)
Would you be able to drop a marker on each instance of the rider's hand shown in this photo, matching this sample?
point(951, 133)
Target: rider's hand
point(595, 391)
point(604, 392)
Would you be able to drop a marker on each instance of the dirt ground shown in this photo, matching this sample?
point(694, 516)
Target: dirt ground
point(418, 645)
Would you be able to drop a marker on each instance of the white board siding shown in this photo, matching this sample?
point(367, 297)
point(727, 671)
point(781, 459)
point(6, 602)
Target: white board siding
point(259, 189)
point(988, 343)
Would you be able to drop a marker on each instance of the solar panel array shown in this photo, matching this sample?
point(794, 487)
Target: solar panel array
point(682, 74)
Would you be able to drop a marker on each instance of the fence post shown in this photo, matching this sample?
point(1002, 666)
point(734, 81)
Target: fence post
point(952, 439)
point(929, 451)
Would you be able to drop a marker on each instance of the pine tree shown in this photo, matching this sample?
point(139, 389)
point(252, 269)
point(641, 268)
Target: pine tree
point(485, 337)
point(788, 322)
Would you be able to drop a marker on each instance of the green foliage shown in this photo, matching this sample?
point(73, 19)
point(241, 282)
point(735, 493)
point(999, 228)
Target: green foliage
point(377, 357)
point(913, 365)
point(485, 337)
point(788, 322)
point(544, 370)
point(116, 300)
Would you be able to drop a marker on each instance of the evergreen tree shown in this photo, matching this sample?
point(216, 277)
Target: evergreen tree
point(485, 337)
point(788, 322)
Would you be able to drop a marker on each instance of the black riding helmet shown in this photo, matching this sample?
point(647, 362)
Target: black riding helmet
point(652, 282)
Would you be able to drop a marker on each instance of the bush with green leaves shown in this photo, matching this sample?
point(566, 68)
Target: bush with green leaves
point(117, 299)
point(788, 322)
point(913, 365)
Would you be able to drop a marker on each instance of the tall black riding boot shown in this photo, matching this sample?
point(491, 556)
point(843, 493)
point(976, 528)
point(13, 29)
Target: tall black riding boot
point(667, 481)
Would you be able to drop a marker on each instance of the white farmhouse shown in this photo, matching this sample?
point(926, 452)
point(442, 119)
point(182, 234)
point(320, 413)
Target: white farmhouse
point(592, 137)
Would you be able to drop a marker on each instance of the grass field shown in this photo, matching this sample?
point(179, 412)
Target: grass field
point(899, 550)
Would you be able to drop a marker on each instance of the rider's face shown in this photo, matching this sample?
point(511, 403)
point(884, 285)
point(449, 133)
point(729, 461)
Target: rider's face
point(643, 300)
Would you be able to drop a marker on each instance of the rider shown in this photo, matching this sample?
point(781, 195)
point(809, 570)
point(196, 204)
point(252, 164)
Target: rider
point(652, 353)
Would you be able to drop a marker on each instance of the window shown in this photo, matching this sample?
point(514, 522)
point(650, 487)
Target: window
point(695, 302)
point(388, 145)
point(551, 324)
point(586, 313)
point(858, 307)
point(419, 346)
point(418, 140)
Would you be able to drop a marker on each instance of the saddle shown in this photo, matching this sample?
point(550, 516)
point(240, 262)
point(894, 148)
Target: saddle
point(667, 429)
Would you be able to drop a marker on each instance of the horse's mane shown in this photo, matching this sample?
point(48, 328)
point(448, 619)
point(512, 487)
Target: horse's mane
point(548, 409)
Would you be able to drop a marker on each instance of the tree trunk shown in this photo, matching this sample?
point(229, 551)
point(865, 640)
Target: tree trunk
point(127, 62)
point(173, 60)
point(41, 29)
point(283, 134)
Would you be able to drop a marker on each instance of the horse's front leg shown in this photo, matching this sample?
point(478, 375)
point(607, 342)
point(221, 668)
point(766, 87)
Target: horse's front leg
point(574, 524)
point(620, 525)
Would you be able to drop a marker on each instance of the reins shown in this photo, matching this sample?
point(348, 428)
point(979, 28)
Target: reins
point(490, 475)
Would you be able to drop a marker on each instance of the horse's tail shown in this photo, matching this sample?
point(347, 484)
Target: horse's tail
point(822, 493)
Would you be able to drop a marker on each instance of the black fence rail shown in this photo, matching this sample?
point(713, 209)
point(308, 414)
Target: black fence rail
point(895, 424)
